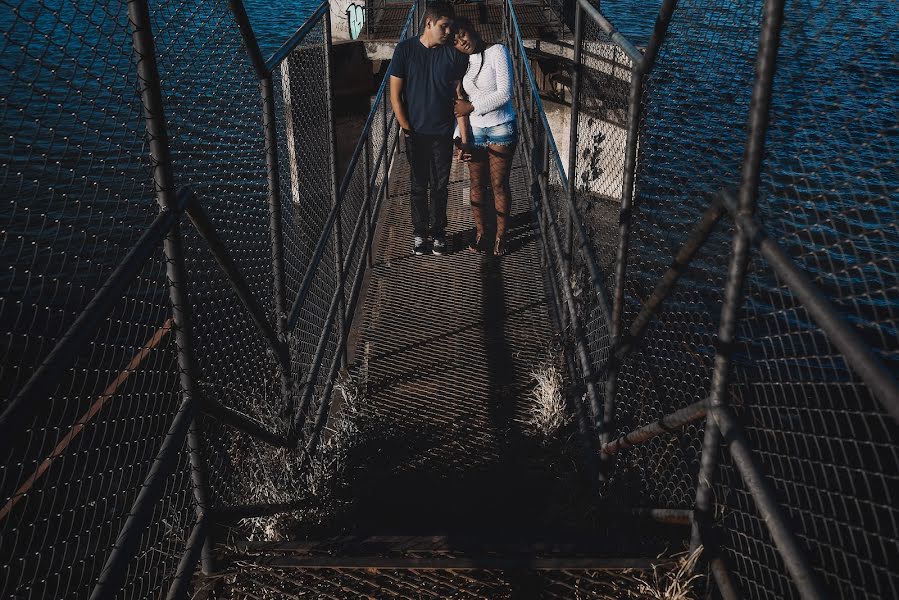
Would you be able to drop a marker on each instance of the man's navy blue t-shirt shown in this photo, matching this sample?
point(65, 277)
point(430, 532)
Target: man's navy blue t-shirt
point(429, 84)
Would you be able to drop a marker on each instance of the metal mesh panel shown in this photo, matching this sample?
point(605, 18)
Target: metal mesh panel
point(601, 139)
point(76, 178)
point(828, 196)
point(213, 110)
point(71, 97)
point(695, 98)
point(304, 151)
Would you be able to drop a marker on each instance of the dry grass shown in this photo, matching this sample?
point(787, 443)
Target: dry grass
point(274, 475)
point(547, 414)
point(677, 583)
point(666, 581)
point(248, 579)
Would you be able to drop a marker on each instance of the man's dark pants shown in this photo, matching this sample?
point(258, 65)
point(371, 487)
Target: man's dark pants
point(430, 158)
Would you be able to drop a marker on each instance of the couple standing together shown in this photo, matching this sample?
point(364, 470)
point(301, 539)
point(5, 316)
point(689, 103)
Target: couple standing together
point(450, 77)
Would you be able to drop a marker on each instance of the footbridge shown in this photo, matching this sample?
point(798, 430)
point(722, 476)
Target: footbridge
point(227, 376)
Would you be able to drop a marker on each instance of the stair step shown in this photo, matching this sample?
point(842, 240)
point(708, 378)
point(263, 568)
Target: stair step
point(438, 552)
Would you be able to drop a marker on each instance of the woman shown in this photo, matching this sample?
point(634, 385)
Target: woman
point(488, 129)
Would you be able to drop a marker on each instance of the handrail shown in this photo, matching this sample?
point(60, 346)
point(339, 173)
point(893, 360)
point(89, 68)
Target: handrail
point(249, 37)
point(344, 184)
point(298, 36)
point(554, 150)
point(586, 247)
point(616, 36)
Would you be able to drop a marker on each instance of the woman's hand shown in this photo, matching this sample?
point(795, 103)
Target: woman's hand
point(463, 150)
point(463, 108)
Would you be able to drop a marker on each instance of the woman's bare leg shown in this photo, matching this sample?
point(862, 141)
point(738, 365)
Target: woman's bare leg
point(500, 159)
point(478, 175)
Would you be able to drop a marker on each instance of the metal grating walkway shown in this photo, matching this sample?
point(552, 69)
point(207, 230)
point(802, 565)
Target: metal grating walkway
point(448, 345)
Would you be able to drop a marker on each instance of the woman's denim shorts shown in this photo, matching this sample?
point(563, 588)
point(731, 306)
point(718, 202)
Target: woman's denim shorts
point(504, 134)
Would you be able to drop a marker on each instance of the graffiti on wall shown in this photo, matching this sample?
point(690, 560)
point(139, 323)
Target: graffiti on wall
point(355, 16)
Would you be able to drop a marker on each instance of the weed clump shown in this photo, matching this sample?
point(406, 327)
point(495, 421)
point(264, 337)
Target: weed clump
point(270, 475)
point(547, 414)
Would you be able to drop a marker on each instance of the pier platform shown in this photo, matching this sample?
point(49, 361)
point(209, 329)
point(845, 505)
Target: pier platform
point(536, 19)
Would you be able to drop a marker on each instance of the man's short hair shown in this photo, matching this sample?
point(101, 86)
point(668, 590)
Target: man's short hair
point(434, 11)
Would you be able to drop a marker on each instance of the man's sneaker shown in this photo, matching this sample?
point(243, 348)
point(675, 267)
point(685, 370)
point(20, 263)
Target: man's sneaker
point(419, 246)
point(439, 247)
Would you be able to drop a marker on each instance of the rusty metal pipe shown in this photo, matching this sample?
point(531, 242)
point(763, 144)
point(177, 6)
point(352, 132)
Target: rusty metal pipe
point(668, 423)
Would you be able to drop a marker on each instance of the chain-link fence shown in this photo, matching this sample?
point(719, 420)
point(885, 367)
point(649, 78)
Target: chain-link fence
point(153, 368)
point(800, 498)
point(91, 414)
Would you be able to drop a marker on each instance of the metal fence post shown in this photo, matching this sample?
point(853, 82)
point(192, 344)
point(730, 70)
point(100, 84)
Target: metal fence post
point(635, 114)
point(704, 503)
point(266, 87)
point(173, 246)
point(368, 193)
point(573, 123)
point(116, 565)
point(793, 554)
point(545, 169)
point(335, 185)
point(386, 158)
point(605, 419)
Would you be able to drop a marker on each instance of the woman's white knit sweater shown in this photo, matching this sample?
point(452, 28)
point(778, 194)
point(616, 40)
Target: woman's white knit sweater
point(490, 91)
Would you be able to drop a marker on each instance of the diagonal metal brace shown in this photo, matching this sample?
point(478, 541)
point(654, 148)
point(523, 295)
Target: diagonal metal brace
point(34, 394)
point(205, 228)
point(243, 423)
point(764, 496)
point(856, 352)
point(669, 279)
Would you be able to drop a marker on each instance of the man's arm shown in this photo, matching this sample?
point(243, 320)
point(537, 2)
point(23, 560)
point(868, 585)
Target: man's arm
point(396, 101)
point(464, 153)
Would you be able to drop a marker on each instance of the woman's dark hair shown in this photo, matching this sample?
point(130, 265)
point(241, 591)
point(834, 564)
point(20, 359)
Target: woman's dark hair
point(466, 25)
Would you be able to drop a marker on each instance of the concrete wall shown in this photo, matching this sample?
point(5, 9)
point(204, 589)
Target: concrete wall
point(559, 118)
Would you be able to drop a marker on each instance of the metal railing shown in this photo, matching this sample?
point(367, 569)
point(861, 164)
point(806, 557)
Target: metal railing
point(589, 215)
point(271, 219)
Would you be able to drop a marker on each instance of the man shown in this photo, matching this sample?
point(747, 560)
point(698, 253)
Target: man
point(423, 77)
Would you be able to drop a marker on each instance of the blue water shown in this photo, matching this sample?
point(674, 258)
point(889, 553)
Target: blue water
point(74, 157)
point(274, 21)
